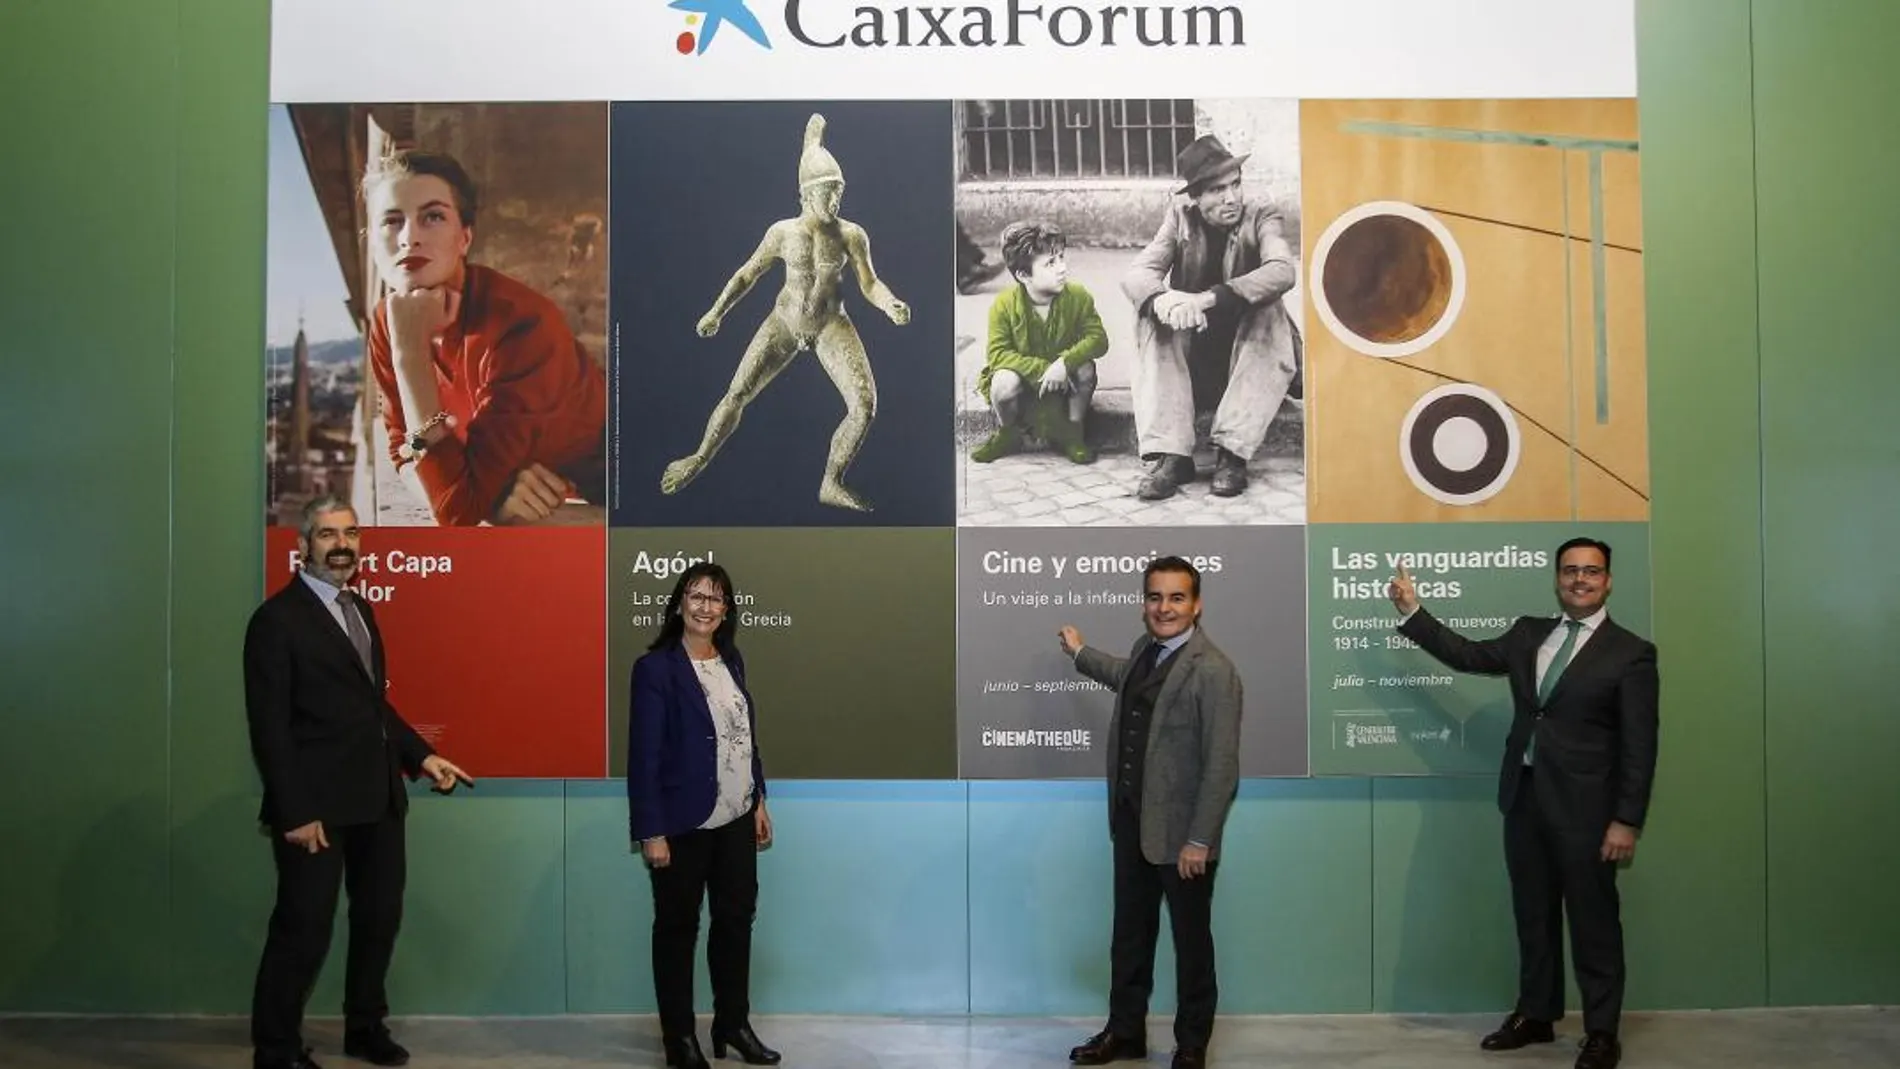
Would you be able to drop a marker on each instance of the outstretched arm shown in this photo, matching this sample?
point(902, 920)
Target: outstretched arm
point(857, 245)
point(1487, 657)
point(743, 280)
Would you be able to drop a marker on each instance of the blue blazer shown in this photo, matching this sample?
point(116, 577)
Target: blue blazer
point(672, 750)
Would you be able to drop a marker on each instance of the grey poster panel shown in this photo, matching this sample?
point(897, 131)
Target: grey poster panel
point(1024, 712)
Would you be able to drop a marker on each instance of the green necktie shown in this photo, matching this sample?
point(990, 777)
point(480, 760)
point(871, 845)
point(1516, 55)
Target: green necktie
point(1558, 663)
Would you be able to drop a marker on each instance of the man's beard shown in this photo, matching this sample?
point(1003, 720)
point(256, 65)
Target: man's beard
point(334, 571)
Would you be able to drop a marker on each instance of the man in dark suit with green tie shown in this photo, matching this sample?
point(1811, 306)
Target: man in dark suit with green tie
point(1173, 768)
point(1574, 788)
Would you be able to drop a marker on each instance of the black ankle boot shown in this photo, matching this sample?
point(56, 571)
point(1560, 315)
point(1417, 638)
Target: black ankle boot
point(683, 1053)
point(746, 1042)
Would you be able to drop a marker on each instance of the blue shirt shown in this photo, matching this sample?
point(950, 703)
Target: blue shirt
point(326, 593)
point(1173, 644)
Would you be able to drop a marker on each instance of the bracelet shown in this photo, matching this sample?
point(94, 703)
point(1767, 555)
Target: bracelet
point(418, 443)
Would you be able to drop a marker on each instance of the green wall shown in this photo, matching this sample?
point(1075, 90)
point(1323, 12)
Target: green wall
point(131, 283)
point(1827, 154)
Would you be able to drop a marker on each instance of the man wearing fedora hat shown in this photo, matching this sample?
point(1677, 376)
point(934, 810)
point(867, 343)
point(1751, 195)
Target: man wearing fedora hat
point(1209, 322)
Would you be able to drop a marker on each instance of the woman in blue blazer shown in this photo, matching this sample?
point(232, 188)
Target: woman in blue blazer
point(696, 806)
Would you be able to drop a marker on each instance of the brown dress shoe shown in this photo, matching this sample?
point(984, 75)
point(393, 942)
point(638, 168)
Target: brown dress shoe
point(1519, 1031)
point(1105, 1046)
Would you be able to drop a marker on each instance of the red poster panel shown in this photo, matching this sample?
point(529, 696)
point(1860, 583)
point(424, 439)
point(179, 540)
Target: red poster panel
point(495, 640)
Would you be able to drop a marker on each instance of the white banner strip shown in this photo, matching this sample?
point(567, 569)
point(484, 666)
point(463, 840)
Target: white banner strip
point(508, 50)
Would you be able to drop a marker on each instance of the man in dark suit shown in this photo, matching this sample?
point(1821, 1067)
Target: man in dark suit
point(1574, 788)
point(1173, 749)
point(332, 753)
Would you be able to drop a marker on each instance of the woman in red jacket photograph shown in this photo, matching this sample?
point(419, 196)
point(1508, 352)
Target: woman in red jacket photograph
point(489, 400)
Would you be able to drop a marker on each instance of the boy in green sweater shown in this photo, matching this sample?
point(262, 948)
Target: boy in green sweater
point(1045, 337)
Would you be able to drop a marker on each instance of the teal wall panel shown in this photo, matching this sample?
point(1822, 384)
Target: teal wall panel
point(481, 930)
point(1293, 911)
point(864, 900)
point(1033, 845)
point(608, 920)
point(1442, 939)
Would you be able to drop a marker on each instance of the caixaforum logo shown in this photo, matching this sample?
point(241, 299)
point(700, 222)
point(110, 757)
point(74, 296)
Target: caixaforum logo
point(995, 24)
point(704, 19)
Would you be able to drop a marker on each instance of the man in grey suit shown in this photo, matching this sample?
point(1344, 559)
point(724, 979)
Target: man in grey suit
point(1173, 768)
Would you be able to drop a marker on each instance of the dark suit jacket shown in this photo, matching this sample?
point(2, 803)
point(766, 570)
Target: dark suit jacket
point(672, 747)
point(328, 745)
point(1191, 770)
point(1596, 739)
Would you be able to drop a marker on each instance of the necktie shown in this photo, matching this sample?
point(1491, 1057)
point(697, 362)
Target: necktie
point(1559, 662)
point(359, 634)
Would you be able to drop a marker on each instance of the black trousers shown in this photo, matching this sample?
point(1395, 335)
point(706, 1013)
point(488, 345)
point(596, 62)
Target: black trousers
point(720, 865)
point(369, 860)
point(1140, 888)
point(1555, 870)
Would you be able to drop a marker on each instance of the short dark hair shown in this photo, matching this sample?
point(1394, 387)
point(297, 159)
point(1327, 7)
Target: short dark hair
point(1025, 243)
point(673, 621)
point(410, 162)
point(1171, 564)
point(1583, 543)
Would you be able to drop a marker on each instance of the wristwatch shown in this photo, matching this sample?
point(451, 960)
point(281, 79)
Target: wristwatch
point(418, 439)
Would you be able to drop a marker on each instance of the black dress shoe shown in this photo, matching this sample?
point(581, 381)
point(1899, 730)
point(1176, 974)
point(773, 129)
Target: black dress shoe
point(301, 1061)
point(1519, 1031)
point(375, 1048)
point(683, 1053)
point(1190, 1058)
point(746, 1042)
point(1105, 1046)
point(1230, 474)
point(1599, 1050)
point(1167, 472)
